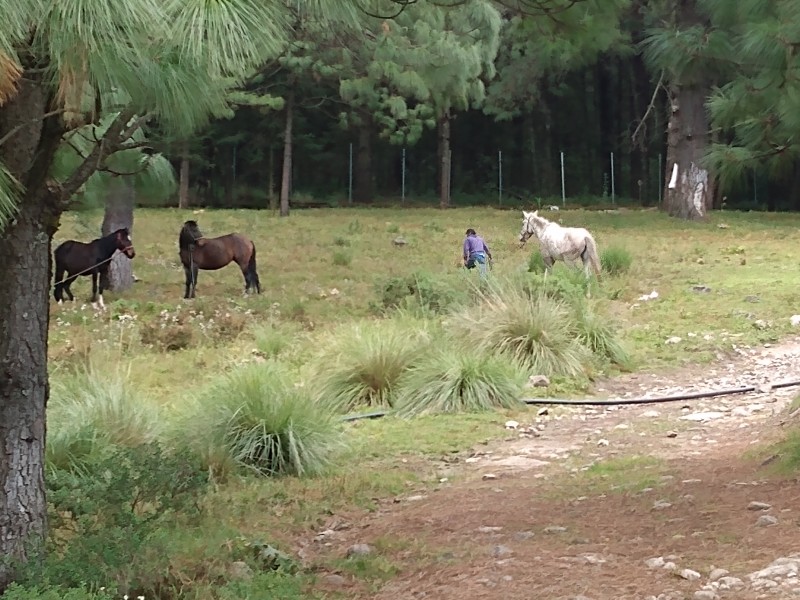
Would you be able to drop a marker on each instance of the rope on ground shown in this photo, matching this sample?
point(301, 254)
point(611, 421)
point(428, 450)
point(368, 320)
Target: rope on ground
point(622, 401)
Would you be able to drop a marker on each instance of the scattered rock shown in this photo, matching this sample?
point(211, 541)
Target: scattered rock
point(489, 476)
point(489, 529)
point(766, 521)
point(794, 320)
point(730, 583)
point(651, 414)
point(334, 579)
point(689, 575)
point(752, 299)
point(602, 442)
point(758, 506)
point(672, 340)
point(416, 498)
point(718, 574)
point(702, 416)
point(359, 550)
point(661, 505)
point(538, 381)
point(399, 241)
point(655, 563)
point(705, 595)
point(499, 551)
point(703, 289)
point(512, 424)
point(760, 324)
point(524, 535)
point(240, 571)
point(555, 529)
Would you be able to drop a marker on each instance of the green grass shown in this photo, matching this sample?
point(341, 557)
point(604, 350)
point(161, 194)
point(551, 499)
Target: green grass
point(314, 315)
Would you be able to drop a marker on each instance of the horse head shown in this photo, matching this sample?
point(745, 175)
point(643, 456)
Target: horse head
point(528, 226)
point(190, 233)
point(124, 244)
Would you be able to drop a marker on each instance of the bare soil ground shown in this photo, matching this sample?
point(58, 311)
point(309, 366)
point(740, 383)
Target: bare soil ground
point(572, 504)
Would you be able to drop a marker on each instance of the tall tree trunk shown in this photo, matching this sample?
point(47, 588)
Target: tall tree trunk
point(118, 214)
point(688, 192)
point(286, 175)
point(183, 192)
point(444, 160)
point(24, 318)
point(363, 189)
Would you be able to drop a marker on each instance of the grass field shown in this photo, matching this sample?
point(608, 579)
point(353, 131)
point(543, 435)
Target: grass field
point(730, 281)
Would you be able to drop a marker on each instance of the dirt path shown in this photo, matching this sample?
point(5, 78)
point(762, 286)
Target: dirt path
point(619, 503)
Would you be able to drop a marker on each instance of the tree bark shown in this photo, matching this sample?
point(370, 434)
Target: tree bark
point(688, 191)
point(183, 192)
point(24, 319)
point(364, 190)
point(444, 160)
point(286, 175)
point(271, 197)
point(118, 214)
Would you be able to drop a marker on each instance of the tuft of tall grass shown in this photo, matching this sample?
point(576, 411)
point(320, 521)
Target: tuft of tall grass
point(452, 380)
point(272, 340)
point(597, 333)
point(529, 326)
point(91, 412)
point(616, 260)
point(362, 364)
point(257, 418)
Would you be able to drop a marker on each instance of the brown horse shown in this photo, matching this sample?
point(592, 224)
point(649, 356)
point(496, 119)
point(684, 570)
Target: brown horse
point(210, 254)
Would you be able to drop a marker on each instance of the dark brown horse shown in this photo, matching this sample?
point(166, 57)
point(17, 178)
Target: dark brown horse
point(79, 258)
point(210, 254)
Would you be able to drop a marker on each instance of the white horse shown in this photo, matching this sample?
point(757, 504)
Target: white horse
point(560, 243)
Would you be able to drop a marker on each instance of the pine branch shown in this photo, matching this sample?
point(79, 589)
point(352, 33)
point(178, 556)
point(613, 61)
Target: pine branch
point(16, 129)
point(650, 107)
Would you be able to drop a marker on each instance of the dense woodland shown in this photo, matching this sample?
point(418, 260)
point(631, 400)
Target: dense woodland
point(499, 91)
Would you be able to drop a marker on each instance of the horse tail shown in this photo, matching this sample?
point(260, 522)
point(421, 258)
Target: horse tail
point(252, 274)
point(591, 251)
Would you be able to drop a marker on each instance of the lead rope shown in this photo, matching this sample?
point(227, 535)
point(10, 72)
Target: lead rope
point(102, 262)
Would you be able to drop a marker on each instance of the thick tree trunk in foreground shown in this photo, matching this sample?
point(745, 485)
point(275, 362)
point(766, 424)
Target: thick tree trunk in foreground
point(24, 316)
point(445, 158)
point(119, 214)
point(286, 174)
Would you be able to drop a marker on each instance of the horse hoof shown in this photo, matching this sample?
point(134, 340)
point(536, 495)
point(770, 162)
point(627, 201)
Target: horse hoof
point(60, 302)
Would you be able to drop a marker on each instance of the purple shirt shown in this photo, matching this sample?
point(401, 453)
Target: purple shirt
point(474, 243)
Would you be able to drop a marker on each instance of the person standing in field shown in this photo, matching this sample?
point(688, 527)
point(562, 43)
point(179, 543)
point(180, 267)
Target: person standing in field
point(476, 252)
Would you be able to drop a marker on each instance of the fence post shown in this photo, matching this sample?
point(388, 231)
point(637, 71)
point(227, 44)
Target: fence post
point(499, 177)
point(350, 176)
point(563, 189)
point(613, 190)
point(403, 177)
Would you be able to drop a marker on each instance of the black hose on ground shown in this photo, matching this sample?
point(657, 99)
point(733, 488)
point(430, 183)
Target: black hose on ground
point(622, 401)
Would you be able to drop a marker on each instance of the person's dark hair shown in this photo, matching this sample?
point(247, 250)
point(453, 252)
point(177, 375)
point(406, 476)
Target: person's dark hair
point(471, 231)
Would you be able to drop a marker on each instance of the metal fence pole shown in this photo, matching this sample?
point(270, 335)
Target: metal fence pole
point(563, 188)
point(613, 190)
point(499, 177)
point(403, 177)
point(350, 177)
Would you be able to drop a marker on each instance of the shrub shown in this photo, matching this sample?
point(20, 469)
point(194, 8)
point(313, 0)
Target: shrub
point(616, 260)
point(341, 241)
point(44, 592)
point(362, 364)
point(256, 418)
point(112, 525)
point(532, 328)
point(452, 379)
point(596, 332)
point(536, 262)
point(272, 340)
point(91, 412)
point(342, 259)
point(420, 292)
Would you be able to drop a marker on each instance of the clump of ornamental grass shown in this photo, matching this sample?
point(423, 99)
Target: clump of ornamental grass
point(597, 333)
point(361, 364)
point(452, 379)
point(616, 260)
point(93, 411)
point(257, 418)
point(531, 327)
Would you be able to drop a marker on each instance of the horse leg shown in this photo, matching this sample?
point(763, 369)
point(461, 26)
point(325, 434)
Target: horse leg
point(194, 280)
point(58, 288)
point(549, 261)
point(100, 287)
point(94, 289)
point(67, 288)
point(187, 271)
